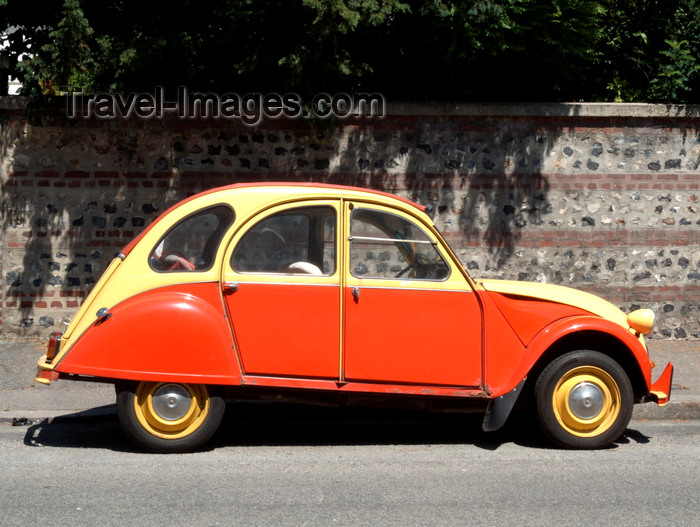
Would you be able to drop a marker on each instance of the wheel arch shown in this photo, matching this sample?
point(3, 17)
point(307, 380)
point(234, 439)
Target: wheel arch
point(574, 333)
point(593, 340)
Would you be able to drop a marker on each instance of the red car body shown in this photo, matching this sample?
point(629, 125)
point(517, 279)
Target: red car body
point(322, 292)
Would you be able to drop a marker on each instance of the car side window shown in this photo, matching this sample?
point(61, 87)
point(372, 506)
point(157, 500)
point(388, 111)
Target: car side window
point(384, 245)
point(296, 241)
point(192, 244)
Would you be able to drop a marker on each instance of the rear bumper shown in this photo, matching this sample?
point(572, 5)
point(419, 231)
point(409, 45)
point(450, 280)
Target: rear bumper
point(44, 367)
point(660, 391)
point(45, 372)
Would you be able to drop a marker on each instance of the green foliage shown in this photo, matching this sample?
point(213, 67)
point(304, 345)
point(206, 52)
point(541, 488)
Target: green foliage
point(651, 50)
point(508, 50)
point(489, 47)
point(63, 43)
point(326, 54)
point(678, 73)
point(28, 27)
point(68, 52)
point(675, 74)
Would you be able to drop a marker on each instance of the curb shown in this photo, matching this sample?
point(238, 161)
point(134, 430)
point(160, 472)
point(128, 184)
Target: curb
point(680, 407)
point(29, 417)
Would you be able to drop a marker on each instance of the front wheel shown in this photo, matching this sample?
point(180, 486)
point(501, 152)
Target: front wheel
point(584, 400)
point(169, 417)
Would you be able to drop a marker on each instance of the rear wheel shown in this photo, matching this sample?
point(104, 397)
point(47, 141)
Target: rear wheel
point(584, 400)
point(169, 417)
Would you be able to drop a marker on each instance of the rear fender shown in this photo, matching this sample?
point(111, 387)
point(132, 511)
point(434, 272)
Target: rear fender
point(177, 333)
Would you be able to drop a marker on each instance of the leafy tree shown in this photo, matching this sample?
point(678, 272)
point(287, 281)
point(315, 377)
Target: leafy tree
point(56, 50)
point(28, 27)
point(650, 51)
point(678, 74)
point(476, 50)
point(503, 50)
point(332, 37)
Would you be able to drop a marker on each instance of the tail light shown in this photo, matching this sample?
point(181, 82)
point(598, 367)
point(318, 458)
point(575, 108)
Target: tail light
point(54, 346)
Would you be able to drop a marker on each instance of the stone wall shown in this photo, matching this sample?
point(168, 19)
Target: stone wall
point(599, 197)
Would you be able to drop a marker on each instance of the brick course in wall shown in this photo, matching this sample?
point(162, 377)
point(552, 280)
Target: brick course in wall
point(599, 197)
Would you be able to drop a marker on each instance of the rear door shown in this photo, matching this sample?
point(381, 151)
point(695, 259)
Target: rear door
point(281, 285)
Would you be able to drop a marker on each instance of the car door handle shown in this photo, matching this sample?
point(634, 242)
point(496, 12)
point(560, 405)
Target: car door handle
point(230, 287)
point(356, 293)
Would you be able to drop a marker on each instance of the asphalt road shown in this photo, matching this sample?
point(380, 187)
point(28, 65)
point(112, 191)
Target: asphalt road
point(287, 465)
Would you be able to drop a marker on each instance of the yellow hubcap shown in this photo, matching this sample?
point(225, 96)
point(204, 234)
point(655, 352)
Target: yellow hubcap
point(170, 410)
point(586, 401)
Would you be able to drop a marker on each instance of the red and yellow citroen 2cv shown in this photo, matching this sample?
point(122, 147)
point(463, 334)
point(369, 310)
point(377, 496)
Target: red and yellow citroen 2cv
point(327, 293)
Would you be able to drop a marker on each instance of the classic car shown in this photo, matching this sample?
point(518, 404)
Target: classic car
point(329, 294)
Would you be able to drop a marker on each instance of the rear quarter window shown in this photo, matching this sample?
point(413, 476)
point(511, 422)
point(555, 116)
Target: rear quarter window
point(192, 244)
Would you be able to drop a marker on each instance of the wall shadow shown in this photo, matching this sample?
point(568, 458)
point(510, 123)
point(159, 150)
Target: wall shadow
point(482, 178)
point(75, 192)
point(65, 215)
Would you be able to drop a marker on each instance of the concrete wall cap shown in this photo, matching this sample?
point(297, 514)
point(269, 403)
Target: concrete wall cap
point(584, 109)
point(506, 109)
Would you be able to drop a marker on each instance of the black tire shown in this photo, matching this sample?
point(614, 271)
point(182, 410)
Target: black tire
point(584, 400)
point(169, 417)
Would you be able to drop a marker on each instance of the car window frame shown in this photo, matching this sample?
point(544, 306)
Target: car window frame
point(261, 216)
point(402, 215)
point(219, 244)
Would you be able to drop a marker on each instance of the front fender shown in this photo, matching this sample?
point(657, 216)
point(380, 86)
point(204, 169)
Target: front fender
point(555, 331)
point(177, 333)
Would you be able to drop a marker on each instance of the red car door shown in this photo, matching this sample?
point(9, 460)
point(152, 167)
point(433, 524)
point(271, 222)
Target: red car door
point(410, 316)
point(281, 285)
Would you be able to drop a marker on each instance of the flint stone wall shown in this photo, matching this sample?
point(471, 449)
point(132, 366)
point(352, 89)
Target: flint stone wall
point(600, 197)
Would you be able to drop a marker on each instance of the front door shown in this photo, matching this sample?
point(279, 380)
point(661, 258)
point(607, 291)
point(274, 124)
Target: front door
point(410, 316)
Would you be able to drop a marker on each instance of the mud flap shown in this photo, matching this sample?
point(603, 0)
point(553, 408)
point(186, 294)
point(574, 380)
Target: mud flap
point(499, 408)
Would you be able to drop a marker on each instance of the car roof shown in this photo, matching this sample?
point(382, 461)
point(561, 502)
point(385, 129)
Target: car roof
point(271, 185)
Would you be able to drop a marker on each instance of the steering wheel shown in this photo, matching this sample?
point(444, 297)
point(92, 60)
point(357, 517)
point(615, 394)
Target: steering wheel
point(404, 270)
point(420, 260)
point(174, 261)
